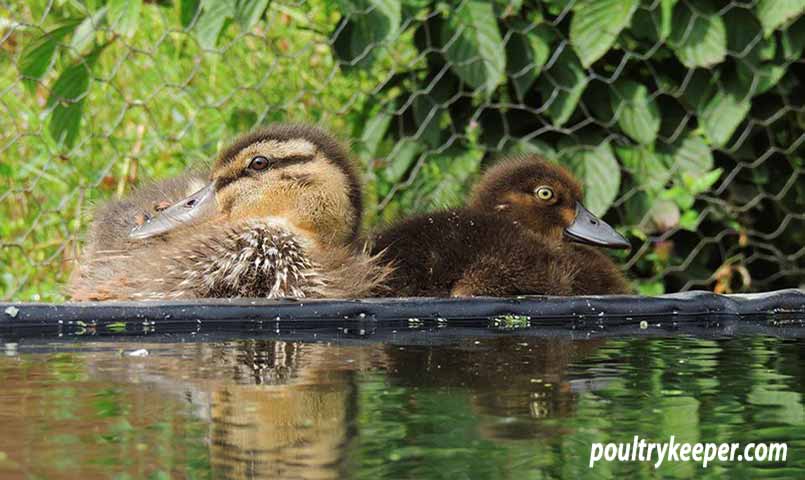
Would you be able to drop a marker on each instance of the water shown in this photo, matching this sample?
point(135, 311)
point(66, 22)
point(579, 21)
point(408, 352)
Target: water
point(505, 406)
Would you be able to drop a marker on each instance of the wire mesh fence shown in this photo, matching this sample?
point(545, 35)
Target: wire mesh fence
point(683, 119)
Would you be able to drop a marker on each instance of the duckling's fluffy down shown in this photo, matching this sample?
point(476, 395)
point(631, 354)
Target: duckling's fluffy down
point(250, 259)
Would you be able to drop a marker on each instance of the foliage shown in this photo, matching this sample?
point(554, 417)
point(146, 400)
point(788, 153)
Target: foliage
point(681, 117)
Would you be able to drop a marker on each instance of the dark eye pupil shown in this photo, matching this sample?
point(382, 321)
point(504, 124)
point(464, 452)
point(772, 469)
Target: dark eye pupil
point(259, 163)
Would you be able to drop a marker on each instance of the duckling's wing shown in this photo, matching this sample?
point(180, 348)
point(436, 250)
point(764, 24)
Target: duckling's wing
point(518, 264)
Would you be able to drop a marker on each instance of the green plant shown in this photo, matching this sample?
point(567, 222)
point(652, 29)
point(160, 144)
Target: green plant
point(681, 117)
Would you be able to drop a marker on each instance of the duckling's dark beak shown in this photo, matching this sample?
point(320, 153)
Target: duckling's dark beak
point(589, 229)
point(186, 211)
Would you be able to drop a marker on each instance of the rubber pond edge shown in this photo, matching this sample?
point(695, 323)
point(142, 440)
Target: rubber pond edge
point(787, 305)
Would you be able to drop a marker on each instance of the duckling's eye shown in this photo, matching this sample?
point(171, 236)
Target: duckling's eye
point(544, 193)
point(259, 163)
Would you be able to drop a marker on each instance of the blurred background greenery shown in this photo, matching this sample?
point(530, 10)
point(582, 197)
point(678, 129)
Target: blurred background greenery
point(683, 118)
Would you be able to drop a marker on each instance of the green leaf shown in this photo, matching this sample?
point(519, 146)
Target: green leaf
point(722, 115)
point(373, 134)
point(688, 155)
point(666, 15)
point(124, 16)
point(652, 21)
point(188, 10)
point(556, 7)
point(37, 56)
point(400, 159)
point(599, 172)
point(700, 86)
point(774, 13)
point(647, 169)
point(365, 25)
point(680, 196)
point(527, 51)
point(699, 39)
point(67, 100)
point(758, 69)
point(474, 47)
point(427, 113)
point(637, 113)
point(793, 40)
point(214, 16)
point(456, 167)
point(507, 8)
point(596, 25)
point(249, 12)
point(84, 35)
point(744, 37)
point(649, 289)
point(761, 77)
point(561, 87)
point(697, 184)
point(689, 221)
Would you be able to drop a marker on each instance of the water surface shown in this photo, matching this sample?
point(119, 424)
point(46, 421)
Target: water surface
point(505, 406)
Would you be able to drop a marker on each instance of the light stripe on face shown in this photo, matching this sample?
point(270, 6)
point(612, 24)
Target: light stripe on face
point(274, 149)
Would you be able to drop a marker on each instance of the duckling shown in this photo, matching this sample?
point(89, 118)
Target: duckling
point(513, 238)
point(546, 198)
point(278, 216)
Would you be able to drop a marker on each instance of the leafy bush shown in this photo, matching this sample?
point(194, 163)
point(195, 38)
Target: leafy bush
point(683, 118)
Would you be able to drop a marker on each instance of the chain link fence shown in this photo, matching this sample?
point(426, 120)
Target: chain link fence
point(683, 119)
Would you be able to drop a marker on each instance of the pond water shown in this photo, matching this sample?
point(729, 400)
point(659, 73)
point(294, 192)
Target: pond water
point(503, 406)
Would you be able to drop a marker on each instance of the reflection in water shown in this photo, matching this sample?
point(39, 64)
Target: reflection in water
point(511, 377)
point(500, 407)
point(292, 415)
point(276, 409)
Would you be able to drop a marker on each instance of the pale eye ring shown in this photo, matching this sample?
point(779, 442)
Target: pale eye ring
point(544, 193)
point(258, 163)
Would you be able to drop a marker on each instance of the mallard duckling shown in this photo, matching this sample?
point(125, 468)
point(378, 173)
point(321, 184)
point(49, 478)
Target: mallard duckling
point(279, 216)
point(513, 238)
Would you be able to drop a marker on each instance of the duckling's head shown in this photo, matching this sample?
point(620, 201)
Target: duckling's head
point(545, 198)
point(291, 173)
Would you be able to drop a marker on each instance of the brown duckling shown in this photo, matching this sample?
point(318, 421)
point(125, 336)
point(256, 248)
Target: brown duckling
point(279, 216)
point(513, 238)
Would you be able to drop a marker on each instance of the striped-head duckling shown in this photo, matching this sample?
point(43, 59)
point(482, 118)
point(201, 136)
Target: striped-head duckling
point(520, 234)
point(278, 216)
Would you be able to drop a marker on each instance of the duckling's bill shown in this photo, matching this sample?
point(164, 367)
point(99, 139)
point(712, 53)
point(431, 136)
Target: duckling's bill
point(186, 211)
point(589, 229)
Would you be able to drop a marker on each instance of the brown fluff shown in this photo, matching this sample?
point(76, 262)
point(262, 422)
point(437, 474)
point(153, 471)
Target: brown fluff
point(506, 242)
point(287, 232)
point(464, 252)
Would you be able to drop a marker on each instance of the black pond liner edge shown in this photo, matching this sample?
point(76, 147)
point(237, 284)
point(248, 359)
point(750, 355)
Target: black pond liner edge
point(780, 313)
